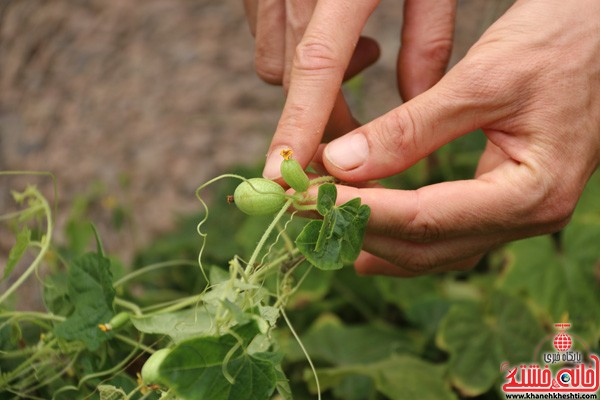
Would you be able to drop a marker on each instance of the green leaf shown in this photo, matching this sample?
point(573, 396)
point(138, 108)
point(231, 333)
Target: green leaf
point(56, 294)
point(326, 198)
point(99, 246)
point(397, 378)
point(179, 325)
point(355, 387)
point(92, 294)
point(109, 392)
point(195, 369)
point(17, 251)
point(404, 293)
point(329, 340)
point(282, 383)
point(559, 284)
point(480, 337)
point(408, 377)
point(561, 278)
point(337, 239)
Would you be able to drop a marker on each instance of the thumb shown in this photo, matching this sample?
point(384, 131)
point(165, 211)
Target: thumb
point(401, 137)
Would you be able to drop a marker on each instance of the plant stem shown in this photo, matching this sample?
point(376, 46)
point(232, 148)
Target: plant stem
point(321, 179)
point(15, 214)
point(55, 376)
point(306, 207)
point(31, 315)
point(116, 368)
point(132, 342)
point(28, 363)
point(266, 235)
point(46, 244)
point(129, 305)
point(275, 263)
point(188, 301)
point(154, 267)
point(312, 366)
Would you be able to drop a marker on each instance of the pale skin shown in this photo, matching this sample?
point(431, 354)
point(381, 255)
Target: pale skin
point(531, 82)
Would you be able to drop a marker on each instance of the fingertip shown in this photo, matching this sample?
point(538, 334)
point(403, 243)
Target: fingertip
point(366, 53)
point(346, 153)
point(367, 264)
point(427, 36)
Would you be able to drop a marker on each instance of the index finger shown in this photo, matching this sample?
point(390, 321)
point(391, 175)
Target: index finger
point(318, 69)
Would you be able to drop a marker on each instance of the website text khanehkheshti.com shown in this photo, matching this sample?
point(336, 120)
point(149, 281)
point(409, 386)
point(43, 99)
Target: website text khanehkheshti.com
point(551, 396)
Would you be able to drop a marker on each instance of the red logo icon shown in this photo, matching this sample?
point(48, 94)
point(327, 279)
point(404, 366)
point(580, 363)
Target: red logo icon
point(562, 341)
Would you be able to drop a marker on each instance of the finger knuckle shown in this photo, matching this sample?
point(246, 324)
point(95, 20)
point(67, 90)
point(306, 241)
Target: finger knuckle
point(315, 55)
point(548, 206)
point(294, 119)
point(556, 212)
point(437, 50)
point(422, 226)
point(395, 133)
point(419, 261)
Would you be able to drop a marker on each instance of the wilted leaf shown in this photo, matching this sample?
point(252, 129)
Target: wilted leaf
point(563, 279)
point(109, 392)
point(480, 337)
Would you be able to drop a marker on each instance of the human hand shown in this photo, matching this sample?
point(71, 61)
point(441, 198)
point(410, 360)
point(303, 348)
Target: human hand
point(532, 83)
point(314, 63)
point(278, 27)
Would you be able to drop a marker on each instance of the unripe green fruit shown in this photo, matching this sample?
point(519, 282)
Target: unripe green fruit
point(259, 196)
point(151, 367)
point(294, 175)
point(119, 320)
point(116, 322)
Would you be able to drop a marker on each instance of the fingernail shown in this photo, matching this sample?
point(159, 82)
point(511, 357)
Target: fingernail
point(348, 152)
point(273, 165)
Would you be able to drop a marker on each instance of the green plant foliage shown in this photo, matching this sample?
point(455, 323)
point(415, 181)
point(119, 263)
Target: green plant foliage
point(481, 336)
point(216, 323)
point(91, 293)
point(17, 251)
point(109, 392)
point(179, 325)
point(561, 277)
point(220, 368)
point(56, 296)
point(397, 377)
point(337, 239)
point(330, 341)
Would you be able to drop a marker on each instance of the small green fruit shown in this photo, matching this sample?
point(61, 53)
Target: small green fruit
point(294, 175)
point(150, 370)
point(259, 196)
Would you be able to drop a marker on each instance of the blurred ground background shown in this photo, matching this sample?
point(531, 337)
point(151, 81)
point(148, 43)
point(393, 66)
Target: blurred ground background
point(137, 103)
